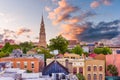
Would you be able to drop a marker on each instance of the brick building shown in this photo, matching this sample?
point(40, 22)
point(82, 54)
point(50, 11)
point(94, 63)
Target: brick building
point(18, 60)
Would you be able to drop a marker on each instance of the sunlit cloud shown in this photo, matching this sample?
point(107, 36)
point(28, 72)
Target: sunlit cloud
point(95, 4)
point(23, 30)
point(98, 3)
point(47, 8)
point(62, 12)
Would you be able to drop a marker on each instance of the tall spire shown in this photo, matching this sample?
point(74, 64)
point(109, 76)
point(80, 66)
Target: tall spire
point(42, 34)
point(42, 20)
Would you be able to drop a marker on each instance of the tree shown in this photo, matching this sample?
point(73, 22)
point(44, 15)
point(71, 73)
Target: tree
point(45, 52)
point(78, 50)
point(103, 50)
point(2, 54)
point(112, 69)
point(98, 50)
point(86, 53)
point(80, 76)
point(26, 46)
point(59, 43)
point(7, 48)
point(106, 51)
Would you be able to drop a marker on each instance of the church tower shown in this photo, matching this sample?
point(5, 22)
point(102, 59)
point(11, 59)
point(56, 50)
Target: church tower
point(42, 35)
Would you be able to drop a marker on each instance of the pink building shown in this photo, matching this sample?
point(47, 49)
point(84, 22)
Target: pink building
point(115, 60)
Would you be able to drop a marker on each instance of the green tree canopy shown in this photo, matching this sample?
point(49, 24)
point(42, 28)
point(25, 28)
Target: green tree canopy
point(2, 54)
point(7, 48)
point(77, 50)
point(26, 46)
point(112, 69)
point(45, 52)
point(59, 43)
point(103, 50)
point(80, 76)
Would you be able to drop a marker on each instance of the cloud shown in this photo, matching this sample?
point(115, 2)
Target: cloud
point(47, 8)
point(9, 33)
point(103, 30)
point(23, 30)
point(98, 3)
point(95, 4)
point(2, 14)
point(81, 17)
point(70, 31)
point(107, 2)
point(55, 1)
point(62, 12)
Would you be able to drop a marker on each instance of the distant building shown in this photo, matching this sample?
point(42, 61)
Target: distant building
point(72, 43)
point(11, 74)
point(55, 67)
point(95, 69)
point(74, 65)
point(115, 49)
point(42, 35)
point(81, 65)
point(89, 48)
point(4, 65)
point(71, 56)
point(32, 51)
point(34, 63)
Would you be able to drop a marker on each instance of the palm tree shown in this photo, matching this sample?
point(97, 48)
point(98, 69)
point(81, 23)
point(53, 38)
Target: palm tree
point(80, 76)
point(112, 69)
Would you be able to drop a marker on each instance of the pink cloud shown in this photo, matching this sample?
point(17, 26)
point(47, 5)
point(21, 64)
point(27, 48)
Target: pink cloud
point(107, 2)
point(95, 4)
point(98, 3)
point(23, 30)
point(62, 12)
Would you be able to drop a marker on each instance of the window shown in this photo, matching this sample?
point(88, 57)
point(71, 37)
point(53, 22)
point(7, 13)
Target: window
point(100, 76)
point(72, 57)
point(100, 68)
point(11, 64)
point(81, 70)
point(32, 64)
point(25, 64)
point(95, 68)
point(18, 64)
point(74, 70)
point(89, 68)
point(95, 77)
point(89, 77)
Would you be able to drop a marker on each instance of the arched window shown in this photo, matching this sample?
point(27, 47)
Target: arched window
point(89, 77)
point(100, 68)
point(74, 70)
point(100, 76)
point(81, 70)
point(95, 77)
point(95, 68)
point(89, 68)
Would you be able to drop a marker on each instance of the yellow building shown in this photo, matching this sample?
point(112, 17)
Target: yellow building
point(92, 69)
point(72, 56)
point(95, 69)
point(74, 65)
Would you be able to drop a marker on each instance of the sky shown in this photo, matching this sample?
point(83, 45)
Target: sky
point(84, 20)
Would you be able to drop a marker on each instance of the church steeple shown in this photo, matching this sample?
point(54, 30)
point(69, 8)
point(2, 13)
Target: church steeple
point(42, 20)
point(42, 34)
